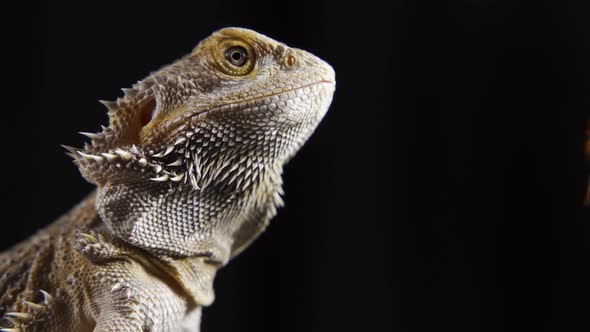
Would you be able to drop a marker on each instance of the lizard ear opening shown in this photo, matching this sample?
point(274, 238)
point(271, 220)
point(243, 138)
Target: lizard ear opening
point(147, 109)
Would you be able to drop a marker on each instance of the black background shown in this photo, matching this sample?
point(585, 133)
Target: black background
point(442, 192)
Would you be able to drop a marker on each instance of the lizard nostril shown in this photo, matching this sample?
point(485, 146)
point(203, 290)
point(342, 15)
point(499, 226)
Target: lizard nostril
point(147, 110)
point(291, 60)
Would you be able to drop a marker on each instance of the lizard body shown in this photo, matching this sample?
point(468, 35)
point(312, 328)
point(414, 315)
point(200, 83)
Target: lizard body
point(188, 174)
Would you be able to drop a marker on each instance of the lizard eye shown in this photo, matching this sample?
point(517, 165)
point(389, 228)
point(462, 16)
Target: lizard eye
point(237, 56)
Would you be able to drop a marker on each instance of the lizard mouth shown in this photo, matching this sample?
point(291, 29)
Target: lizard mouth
point(216, 107)
point(181, 124)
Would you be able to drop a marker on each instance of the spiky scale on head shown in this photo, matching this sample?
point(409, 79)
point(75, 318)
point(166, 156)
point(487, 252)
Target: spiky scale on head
point(210, 133)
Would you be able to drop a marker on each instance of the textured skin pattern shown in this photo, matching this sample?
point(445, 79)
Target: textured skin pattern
point(188, 173)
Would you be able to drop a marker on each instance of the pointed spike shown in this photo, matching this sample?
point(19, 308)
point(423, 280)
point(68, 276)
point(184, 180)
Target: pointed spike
point(234, 167)
point(33, 306)
point(192, 84)
point(124, 154)
point(134, 149)
point(226, 162)
point(116, 287)
point(92, 136)
point(165, 152)
point(205, 182)
point(180, 140)
point(190, 167)
point(245, 185)
point(197, 166)
point(178, 162)
point(234, 177)
point(225, 175)
point(278, 200)
point(217, 172)
point(70, 149)
point(89, 237)
point(110, 157)
point(157, 168)
point(110, 105)
point(193, 180)
point(168, 150)
point(129, 92)
point(239, 181)
point(177, 178)
point(162, 178)
point(143, 85)
point(91, 156)
point(13, 321)
point(47, 298)
point(242, 169)
point(19, 315)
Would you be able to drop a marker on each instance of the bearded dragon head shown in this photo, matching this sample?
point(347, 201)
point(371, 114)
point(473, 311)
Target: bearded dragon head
point(191, 161)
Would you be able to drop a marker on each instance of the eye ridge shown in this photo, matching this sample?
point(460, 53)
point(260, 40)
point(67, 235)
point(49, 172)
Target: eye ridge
point(237, 56)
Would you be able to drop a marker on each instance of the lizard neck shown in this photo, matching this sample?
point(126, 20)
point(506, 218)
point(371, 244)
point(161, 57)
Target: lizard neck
point(182, 235)
point(216, 222)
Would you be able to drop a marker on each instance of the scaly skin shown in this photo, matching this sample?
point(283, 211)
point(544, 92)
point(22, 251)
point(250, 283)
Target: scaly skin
point(188, 174)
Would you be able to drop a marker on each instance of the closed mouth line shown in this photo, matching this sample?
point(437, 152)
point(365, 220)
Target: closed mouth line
point(262, 97)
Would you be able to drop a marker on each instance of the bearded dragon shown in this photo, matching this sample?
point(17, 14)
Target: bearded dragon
point(188, 174)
